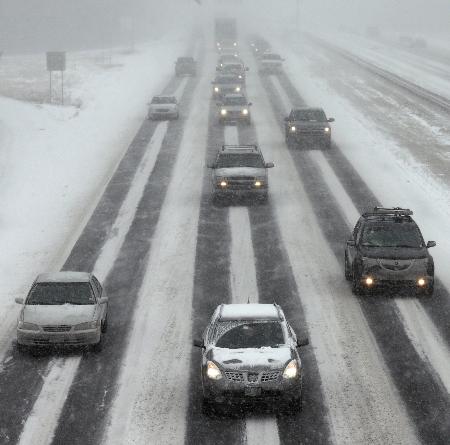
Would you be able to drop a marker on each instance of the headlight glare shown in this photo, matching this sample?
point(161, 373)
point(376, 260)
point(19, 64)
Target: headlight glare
point(223, 183)
point(212, 371)
point(293, 128)
point(238, 89)
point(326, 129)
point(421, 282)
point(223, 112)
point(291, 370)
point(245, 111)
point(216, 89)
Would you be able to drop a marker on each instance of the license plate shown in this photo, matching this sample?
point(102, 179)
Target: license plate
point(252, 391)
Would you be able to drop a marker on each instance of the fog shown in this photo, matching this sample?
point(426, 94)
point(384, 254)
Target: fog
point(39, 25)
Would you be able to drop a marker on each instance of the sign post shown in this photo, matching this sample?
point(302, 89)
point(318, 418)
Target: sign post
point(56, 61)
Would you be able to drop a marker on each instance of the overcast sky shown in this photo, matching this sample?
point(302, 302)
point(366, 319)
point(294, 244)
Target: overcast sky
point(50, 24)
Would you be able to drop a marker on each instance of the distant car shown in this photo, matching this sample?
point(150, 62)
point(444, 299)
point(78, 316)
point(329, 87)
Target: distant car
point(227, 58)
point(163, 107)
point(227, 83)
point(249, 353)
point(63, 308)
point(227, 45)
point(258, 45)
point(240, 170)
point(237, 68)
point(234, 108)
point(308, 125)
point(269, 62)
point(185, 66)
point(387, 249)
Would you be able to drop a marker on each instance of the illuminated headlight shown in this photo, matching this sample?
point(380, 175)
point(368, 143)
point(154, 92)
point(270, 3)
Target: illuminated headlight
point(240, 77)
point(326, 129)
point(28, 326)
point(223, 183)
point(223, 112)
point(238, 89)
point(421, 282)
point(216, 89)
point(212, 371)
point(291, 370)
point(293, 129)
point(368, 281)
point(258, 183)
point(88, 325)
point(245, 111)
point(234, 44)
point(218, 44)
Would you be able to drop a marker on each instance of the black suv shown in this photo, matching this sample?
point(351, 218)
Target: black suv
point(185, 66)
point(240, 170)
point(387, 248)
point(249, 353)
point(308, 125)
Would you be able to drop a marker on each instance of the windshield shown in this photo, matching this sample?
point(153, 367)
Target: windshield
point(308, 115)
point(227, 79)
point(391, 235)
point(164, 100)
point(240, 160)
point(233, 67)
point(252, 335)
point(235, 101)
point(61, 293)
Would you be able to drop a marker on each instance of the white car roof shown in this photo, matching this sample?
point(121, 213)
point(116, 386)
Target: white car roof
point(64, 277)
point(230, 312)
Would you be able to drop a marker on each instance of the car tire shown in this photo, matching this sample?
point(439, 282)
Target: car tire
point(104, 326)
point(209, 408)
point(97, 347)
point(347, 270)
point(23, 349)
point(356, 283)
point(428, 291)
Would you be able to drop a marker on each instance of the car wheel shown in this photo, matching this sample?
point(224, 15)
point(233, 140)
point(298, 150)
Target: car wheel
point(23, 349)
point(209, 408)
point(104, 327)
point(356, 283)
point(347, 269)
point(428, 291)
point(97, 347)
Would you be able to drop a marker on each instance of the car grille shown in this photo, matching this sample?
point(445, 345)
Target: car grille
point(252, 377)
point(235, 376)
point(162, 110)
point(270, 376)
point(396, 265)
point(57, 328)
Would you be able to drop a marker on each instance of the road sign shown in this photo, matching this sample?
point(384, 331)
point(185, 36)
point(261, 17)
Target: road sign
point(56, 61)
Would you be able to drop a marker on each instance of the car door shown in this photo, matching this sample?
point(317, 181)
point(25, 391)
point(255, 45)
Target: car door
point(99, 293)
point(352, 243)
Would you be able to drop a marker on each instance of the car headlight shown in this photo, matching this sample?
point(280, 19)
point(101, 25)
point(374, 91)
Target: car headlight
point(222, 183)
point(291, 370)
point(326, 129)
point(216, 89)
point(28, 326)
point(421, 282)
point(238, 89)
point(293, 129)
point(223, 112)
point(213, 371)
point(234, 44)
point(258, 183)
point(245, 111)
point(368, 281)
point(87, 325)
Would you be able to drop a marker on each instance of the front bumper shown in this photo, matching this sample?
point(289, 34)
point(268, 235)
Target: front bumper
point(227, 390)
point(163, 115)
point(303, 136)
point(72, 338)
point(234, 118)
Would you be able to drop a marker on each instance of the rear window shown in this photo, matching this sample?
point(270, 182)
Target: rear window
point(252, 335)
point(61, 293)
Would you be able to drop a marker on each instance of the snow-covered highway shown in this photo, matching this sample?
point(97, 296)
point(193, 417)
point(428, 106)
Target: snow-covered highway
point(377, 369)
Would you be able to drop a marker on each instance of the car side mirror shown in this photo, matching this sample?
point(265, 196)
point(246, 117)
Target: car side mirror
point(302, 342)
point(431, 244)
point(19, 300)
point(270, 165)
point(103, 300)
point(198, 343)
point(330, 119)
point(351, 243)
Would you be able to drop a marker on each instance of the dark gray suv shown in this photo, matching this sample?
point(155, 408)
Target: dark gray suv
point(249, 353)
point(240, 170)
point(387, 248)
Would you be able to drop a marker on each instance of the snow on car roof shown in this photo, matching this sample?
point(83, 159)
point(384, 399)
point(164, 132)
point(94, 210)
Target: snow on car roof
point(63, 277)
point(249, 312)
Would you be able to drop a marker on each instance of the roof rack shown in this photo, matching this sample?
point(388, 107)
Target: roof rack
point(240, 146)
point(388, 211)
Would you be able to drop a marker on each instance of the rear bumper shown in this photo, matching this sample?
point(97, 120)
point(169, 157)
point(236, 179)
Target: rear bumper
point(166, 115)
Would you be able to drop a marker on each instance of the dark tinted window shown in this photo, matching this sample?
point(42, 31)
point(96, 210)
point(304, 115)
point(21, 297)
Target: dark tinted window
point(252, 335)
point(228, 79)
point(308, 115)
point(164, 100)
point(391, 235)
point(240, 160)
point(61, 293)
point(235, 100)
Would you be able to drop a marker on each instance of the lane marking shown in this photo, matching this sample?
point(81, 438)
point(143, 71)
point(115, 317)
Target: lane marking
point(259, 429)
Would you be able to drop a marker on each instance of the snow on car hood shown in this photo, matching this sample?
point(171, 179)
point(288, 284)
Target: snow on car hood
point(248, 358)
point(240, 171)
point(58, 314)
point(400, 253)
